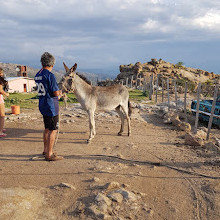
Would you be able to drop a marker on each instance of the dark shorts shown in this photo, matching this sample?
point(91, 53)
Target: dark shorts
point(51, 122)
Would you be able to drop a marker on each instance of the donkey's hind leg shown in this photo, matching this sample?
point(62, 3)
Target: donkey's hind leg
point(125, 109)
point(91, 126)
point(121, 115)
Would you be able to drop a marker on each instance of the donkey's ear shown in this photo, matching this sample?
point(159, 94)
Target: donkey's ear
point(66, 68)
point(73, 68)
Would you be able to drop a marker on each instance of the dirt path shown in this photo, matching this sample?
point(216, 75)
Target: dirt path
point(162, 178)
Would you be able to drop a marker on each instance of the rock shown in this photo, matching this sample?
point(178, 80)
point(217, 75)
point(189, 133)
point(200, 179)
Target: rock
point(117, 197)
point(193, 140)
point(98, 213)
point(217, 142)
point(184, 126)
point(64, 185)
point(127, 194)
point(212, 147)
point(201, 134)
point(103, 199)
point(95, 179)
point(112, 185)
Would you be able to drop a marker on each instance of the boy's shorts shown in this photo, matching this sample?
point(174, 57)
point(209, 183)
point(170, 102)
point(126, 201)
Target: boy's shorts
point(51, 122)
point(2, 110)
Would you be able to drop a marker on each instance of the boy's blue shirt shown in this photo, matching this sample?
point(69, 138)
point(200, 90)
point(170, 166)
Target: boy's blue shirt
point(46, 85)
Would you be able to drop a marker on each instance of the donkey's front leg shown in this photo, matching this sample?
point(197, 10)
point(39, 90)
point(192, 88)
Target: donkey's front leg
point(91, 126)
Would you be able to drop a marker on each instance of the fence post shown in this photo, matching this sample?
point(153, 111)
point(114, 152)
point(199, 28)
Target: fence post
point(136, 82)
point(197, 108)
point(132, 81)
point(176, 98)
point(144, 86)
point(212, 112)
point(168, 93)
point(162, 90)
point(127, 81)
point(185, 112)
point(151, 87)
point(156, 89)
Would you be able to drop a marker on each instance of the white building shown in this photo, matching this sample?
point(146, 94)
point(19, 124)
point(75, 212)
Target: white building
point(20, 84)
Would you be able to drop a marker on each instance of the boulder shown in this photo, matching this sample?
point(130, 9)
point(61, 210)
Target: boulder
point(195, 139)
point(184, 126)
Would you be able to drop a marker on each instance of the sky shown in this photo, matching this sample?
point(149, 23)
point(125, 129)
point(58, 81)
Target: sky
point(100, 35)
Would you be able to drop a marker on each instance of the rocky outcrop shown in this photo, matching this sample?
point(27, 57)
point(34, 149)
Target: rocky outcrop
point(165, 70)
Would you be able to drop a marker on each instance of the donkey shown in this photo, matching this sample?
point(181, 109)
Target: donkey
point(95, 97)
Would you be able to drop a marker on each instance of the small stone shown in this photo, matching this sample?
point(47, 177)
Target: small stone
point(117, 197)
point(102, 198)
point(112, 185)
point(95, 179)
point(64, 185)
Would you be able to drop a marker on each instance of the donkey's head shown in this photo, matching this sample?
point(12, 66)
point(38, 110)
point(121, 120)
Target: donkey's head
point(66, 84)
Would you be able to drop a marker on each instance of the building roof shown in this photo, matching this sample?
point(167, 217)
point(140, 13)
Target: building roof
point(18, 77)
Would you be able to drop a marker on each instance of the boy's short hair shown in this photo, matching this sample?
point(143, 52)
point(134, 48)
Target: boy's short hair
point(47, 59)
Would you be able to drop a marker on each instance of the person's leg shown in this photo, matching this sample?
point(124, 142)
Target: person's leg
point(2, 117)
point(50, 137)
point(45, 137)
point(2, 123)
point(50, 142)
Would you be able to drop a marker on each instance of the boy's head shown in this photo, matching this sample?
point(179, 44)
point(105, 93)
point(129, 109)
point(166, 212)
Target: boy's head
point(47, 60)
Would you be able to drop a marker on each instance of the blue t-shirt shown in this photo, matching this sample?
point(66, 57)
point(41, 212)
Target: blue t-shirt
point(46, 85)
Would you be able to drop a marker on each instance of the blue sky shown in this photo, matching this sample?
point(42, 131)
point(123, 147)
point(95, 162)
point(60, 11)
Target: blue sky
point(100, 35)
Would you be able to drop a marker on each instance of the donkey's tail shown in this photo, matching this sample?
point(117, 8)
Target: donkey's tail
point(129, 109)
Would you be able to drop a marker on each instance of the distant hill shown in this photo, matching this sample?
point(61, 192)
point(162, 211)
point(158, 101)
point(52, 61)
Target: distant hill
point(10, 71)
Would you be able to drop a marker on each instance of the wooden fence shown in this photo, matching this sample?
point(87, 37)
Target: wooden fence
point(153, 88)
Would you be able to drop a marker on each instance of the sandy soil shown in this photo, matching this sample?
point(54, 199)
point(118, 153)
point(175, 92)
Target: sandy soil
point(168, 179)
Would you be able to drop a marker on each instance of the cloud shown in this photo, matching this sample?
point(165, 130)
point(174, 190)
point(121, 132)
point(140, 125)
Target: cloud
point(97, 32)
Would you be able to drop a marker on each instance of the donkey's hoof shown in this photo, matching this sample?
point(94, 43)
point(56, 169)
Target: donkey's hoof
point(88, 141)
point(129, 134)
point(119, 134)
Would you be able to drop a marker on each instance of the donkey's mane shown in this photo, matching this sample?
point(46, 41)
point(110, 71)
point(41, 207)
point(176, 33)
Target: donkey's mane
point(84, 78)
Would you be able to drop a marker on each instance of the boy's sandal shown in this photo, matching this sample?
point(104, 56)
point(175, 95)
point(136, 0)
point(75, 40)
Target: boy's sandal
point(3, 135)
point(44, 153)
point(4, 130)
point(53, 157)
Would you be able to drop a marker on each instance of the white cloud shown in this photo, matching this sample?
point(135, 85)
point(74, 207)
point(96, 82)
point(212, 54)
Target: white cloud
point(210, 20)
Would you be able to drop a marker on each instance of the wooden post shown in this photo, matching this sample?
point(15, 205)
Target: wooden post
point(212, 112)
point(145, 86)
point(151, 87)
point(156, 89)
point(162, 90)
point(185, 112)
point(136, 82)
point(176, 99)
point(168, 93)
point(197, 108)
point(132, 81)
point(127, 81)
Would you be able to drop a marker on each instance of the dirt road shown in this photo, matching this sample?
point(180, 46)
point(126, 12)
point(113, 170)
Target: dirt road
point(151, 175)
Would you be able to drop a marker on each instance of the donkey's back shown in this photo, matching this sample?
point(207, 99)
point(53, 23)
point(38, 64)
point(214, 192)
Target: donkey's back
point(110, 97)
